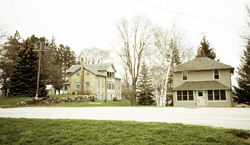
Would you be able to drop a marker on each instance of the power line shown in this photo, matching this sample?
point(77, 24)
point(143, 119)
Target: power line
point(190, 16)
point(17, 17)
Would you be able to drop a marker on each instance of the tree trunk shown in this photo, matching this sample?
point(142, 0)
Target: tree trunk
point(133, 96)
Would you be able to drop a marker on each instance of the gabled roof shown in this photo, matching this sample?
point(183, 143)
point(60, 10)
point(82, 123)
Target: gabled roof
point(202, 85)
point(202, 63)
point(93, 68)
point(48, 87)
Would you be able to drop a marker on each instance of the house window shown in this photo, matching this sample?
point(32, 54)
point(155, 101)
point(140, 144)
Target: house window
point(99, 84)
point(223, 94)
point(102, 84)
point(191, 96)
point(87, 84)
point(216, 95)
point(184, 75)
point(216, 74)
point(66, 87)
point(78, 74)
point(200, 94)
point(78, 85)
point(185, 96)
point(179, 96)
point(210, 95)
point(87, 73)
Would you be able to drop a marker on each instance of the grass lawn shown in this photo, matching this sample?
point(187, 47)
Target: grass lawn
point(11, 102)
point(4, 101)
point(66, 131)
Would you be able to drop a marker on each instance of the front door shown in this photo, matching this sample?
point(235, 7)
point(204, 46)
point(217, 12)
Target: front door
point(201, 98)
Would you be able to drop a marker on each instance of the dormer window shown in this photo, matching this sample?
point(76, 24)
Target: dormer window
point(184, 76)
point(216, 74)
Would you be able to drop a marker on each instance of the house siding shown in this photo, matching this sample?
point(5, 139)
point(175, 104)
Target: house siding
point(225, 77)
point(98, 84)
point(204, 75)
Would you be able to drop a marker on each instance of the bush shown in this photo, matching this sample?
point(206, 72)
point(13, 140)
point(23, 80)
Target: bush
point(51, 100)
point(145, 98)
point(115, 99)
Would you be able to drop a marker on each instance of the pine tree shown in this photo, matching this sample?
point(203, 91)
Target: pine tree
point(207, 50)
point(145, 86)
point(242, 92)
point(8, 57)
point(23, 81)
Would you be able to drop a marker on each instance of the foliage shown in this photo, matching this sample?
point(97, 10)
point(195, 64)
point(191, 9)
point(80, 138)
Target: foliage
point(8, 59)
point(69, 131)
point(207, 50)
point(145, 86)
point(242, 92)
point(23, 81)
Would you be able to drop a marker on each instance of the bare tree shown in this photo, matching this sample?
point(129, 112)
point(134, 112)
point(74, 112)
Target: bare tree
point(169, 50)
point(94, 55)
point(134, 39)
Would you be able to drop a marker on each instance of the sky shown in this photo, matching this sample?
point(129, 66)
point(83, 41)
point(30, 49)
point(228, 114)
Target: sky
point(84, 24)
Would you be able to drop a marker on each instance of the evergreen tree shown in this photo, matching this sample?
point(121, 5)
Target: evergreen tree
point(23, 81)
point(8, 58)
point(242, 92)
point(145, 86)
point(207, 50)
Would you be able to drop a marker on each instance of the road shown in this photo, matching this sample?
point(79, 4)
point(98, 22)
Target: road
point(238, 118)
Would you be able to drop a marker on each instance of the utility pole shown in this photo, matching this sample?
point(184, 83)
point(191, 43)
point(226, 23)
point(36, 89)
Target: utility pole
point(39, 66)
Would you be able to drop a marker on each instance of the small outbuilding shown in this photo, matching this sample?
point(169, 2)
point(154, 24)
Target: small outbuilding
point(50, 89)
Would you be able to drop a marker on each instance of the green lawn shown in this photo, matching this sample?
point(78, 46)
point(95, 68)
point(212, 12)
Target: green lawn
point(4, 101)
point(66, 131)
point(11, 102)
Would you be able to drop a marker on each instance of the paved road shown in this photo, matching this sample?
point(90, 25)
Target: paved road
point(238, 118)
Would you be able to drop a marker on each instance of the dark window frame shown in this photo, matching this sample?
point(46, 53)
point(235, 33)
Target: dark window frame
point(217, 95)
point(184, 75)
point(216, 74)
point(185, 95)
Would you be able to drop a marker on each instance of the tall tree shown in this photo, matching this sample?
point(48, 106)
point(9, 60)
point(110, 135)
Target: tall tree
point(8, 58)
point(24, 78)
point(94, 55)
point(167, 44)
point(175, 61)
point(145, 86)
point(135, 37)
point(207, 50)
point(242, 91)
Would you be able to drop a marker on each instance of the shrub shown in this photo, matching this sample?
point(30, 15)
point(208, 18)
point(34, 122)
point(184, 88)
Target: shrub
point(115, 99)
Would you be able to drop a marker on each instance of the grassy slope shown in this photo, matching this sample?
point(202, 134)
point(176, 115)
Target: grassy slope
point(63, 131)
point(11, 101)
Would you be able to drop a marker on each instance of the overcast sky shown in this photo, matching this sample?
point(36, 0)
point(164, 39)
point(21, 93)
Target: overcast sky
point(82, 24)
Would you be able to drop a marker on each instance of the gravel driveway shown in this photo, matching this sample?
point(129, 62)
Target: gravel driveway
point(238, 118)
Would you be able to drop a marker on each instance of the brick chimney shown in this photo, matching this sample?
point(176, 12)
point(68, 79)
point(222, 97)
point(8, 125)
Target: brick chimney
point(82, 75)
point(199, 53)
